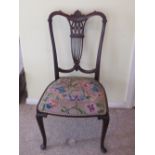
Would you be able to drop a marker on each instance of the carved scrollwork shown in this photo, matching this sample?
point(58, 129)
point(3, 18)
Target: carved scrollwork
point(77, 23)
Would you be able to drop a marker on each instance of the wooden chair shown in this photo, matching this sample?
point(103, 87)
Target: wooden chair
point(75, 96)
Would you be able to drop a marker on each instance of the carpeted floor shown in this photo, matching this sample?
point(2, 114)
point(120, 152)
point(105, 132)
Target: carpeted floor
point(85, 131)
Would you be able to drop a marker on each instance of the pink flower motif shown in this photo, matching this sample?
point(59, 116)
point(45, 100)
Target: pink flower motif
point(86, 85)
point(54, 103)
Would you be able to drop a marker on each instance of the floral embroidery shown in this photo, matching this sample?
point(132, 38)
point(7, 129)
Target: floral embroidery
point(54, 102)
point(61, 89)
point(48, 105)
point(95, 88)
point(91, 107)
point(74, 96)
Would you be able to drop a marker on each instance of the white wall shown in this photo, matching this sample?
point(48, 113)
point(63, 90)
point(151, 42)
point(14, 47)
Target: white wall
point(20, 60)
point(117, 47)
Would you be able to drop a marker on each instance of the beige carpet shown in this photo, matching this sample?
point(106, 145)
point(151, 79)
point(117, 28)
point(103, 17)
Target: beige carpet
point(86, 132)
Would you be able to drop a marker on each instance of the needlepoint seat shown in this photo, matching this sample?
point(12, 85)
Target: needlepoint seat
point(74, 96)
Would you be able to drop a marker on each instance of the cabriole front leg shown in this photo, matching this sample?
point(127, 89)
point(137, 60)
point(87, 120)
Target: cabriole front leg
point(39, 118)
point(104, 131)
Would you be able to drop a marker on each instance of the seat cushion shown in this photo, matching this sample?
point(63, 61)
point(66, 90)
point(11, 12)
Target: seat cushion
point(74, 96)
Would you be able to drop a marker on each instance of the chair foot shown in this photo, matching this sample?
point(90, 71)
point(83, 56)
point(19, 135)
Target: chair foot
point(103, 149)
point(39, 118)
point(43, 146)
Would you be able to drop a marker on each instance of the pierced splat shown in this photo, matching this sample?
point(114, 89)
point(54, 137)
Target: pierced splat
point(77, 23)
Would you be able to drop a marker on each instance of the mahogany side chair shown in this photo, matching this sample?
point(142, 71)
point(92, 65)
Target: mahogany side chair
point(75, 96)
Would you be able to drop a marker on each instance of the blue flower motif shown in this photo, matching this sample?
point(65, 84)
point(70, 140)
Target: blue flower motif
point(48, 105)
point(60, 89)
point(72, 98)
point(82, 97)
point(95, 88)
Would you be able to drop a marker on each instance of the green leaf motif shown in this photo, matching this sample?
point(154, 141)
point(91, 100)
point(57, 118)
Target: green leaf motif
point(81, 111)
point(62, 110)
point(98, 104)
point(88, 97)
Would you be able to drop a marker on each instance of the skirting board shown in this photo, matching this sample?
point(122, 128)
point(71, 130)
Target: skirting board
point(122, 104)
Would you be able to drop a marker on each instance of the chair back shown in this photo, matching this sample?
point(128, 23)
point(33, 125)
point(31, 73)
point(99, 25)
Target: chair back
point(77, 23)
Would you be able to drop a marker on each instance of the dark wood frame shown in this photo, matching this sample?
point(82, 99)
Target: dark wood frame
point(22, 86)
point(77, 23)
